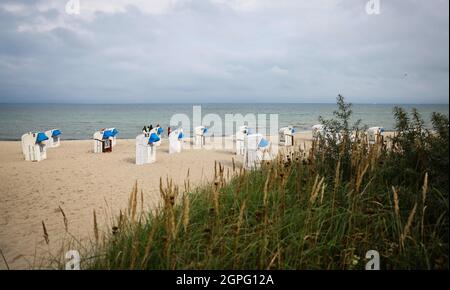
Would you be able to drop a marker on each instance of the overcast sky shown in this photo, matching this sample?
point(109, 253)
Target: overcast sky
point(128, 51)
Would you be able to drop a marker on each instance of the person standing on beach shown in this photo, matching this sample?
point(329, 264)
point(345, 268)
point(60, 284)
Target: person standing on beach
point(169, 130)
point(150, 127)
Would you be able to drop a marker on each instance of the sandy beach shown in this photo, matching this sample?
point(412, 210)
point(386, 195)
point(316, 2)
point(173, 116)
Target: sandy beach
point(79, 181)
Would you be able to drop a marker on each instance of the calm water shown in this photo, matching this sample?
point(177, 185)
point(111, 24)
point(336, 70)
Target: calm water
point(81, 121)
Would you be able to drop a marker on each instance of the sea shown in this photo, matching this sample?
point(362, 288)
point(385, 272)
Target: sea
point(80, 121)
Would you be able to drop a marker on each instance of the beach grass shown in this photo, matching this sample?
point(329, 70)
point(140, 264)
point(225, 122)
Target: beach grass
point(320, 209)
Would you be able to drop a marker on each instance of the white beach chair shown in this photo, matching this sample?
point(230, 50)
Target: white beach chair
point(145, 149)
point(103, 141)
point(34, 146)
point(54, 138)
point(318, 131)
point(374, 135)
point(286, 136)
point(240, 140)
point(176, 138)
point(257, 149)
point(199, 136)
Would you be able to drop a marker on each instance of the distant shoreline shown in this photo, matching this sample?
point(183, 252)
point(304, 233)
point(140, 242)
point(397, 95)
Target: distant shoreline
point(233, 103)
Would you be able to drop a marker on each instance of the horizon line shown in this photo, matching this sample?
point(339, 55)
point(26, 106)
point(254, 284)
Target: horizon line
point(218, 103)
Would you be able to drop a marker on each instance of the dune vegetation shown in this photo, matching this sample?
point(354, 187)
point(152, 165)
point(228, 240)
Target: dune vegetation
point(320, 209)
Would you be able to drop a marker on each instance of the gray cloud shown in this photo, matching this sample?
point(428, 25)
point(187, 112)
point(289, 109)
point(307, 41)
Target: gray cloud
point(224, 51)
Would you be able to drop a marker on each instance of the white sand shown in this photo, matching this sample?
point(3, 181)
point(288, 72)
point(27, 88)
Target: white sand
point(80, 182)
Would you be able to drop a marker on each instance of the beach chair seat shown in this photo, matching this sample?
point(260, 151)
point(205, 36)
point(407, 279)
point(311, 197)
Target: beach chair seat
point(375, 135)
point(240, 140)
point(34, 146)
point(54, 138)
point(105, 140)
point(145, 149)
point(257, 150)
point(286, 136)
point(199, 137)
point(176, 139)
